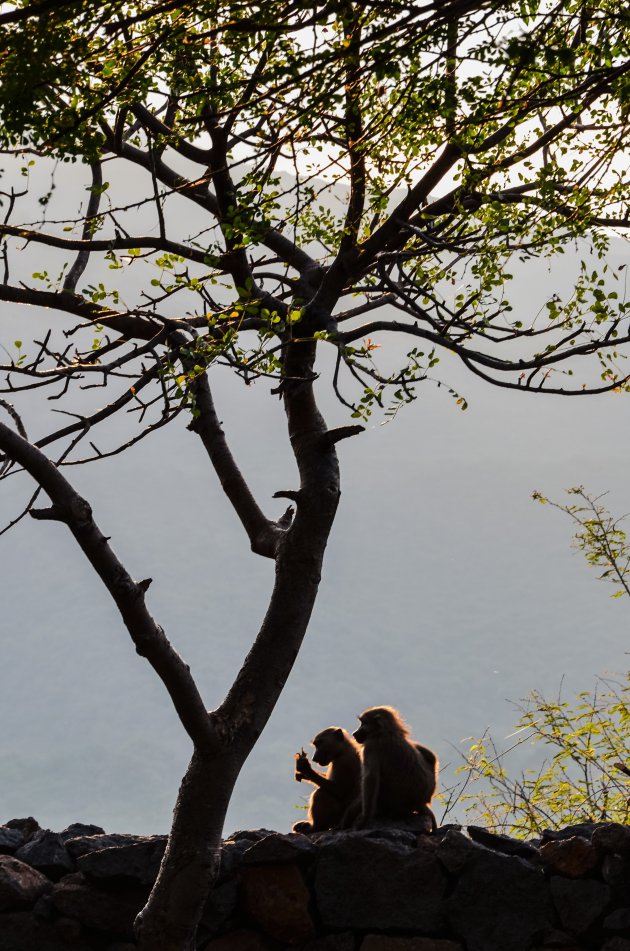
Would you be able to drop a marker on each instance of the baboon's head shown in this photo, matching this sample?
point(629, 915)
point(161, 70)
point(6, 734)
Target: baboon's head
point(377, 722)
point(329, 744)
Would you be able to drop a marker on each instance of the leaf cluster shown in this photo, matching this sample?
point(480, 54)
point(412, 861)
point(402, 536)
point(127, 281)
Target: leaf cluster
point(583, 777)
point(376, 169)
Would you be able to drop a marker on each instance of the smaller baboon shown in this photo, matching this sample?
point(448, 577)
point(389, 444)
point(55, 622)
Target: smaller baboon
point(399, 776)
point(339, 788)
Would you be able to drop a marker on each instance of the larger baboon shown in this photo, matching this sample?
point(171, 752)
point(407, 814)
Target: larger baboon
point(398, 776)
point(339, 788)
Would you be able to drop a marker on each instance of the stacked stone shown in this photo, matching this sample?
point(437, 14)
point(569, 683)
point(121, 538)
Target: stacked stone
point(386, 889)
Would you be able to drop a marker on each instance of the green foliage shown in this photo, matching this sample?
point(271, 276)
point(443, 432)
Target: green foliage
point(582, 777)
point(414, 159)
point(586, 770)
point(599, 536)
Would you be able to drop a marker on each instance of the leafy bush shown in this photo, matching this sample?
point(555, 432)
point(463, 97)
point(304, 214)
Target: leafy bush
point(581, 779)
point(585, 775)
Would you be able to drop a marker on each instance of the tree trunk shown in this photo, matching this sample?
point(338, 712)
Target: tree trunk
point(190, 865)
point(191, 861)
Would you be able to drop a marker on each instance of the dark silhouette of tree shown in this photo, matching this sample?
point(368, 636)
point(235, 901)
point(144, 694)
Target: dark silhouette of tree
point(362, 170)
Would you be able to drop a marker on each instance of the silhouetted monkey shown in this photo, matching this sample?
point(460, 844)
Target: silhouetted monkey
point(339, 788)
point(399, 776)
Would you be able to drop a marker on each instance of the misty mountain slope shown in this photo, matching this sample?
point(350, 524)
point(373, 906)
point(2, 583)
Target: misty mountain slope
point(446, 590)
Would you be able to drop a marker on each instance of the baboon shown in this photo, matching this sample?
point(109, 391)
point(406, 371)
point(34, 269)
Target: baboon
point(398, 776)
point(341, 785)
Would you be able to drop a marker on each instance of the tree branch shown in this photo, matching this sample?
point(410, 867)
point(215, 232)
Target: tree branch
point(263, 534)
point(83, 256)
point(149, 638)
point(127, 324)
point(390, 229)
point(333, 436)
point(86, 245)
point(251, 699)
point(198, 192)
point(35, 10)
point(353, 129)
point(128, 396)
point(477, 356)
point(176, 142)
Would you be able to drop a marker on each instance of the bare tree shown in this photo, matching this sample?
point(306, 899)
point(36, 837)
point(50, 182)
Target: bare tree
point(360, 170)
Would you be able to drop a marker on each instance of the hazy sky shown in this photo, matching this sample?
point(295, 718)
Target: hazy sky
point(446, 591)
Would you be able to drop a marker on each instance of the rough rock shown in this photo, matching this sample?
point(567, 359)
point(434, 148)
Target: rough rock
point(616, 944)
point(44, 907)
point(76, 829)
point(220, 906)
point(501, 902)
point(579, 903)
point(415, 825)
point(363, 883)
point(398, 837)
point(501, 843)
point(28, 826)
point(84, 844)
point(613, 837)
point(278, 848)
point(385, 889)
point(383, 942)
point(428, 842)
point(454, 850)
point(20, 885)
point(48, 854)
point(234, 847)
point(618, 920)
point(441, 831)
point(573, 857)
point(616, 873)
point(111, 912)
point(10, 840)
point(331, 942)
point(243, 940)
point(137, 861)
point(20, 931)
point(567, 946)
point(251, 835)
point(276, 898)
point(68, 929)
point(231, 858)
point(554, 938)
point(584, 829)
point(394, 833)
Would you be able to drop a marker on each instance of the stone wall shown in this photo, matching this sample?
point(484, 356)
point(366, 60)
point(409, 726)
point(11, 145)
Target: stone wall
point(387, 889)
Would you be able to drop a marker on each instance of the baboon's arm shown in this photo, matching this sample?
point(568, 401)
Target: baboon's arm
point(428, 755)
point(304, 770)
point(369, 790)
point(317, 779)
